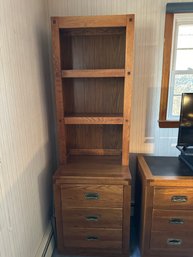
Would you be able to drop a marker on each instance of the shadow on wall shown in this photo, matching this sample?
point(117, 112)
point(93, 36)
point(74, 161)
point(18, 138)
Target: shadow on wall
point(48, 89)
point(27, 205)
point(152, 108)
point(44, 180)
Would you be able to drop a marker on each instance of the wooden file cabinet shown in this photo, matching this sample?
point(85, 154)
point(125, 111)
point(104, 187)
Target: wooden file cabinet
point(93, 210)
point(165, 189)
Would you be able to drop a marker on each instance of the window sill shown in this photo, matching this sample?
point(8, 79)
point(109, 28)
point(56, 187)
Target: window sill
point(168, 124)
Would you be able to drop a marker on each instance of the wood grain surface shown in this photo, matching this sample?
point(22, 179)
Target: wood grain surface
point(163, 198)
point(105, 238)
point(92, 217)
point(108, 196)
point(93, 120)
point(97, 73)
point(172, 220)
point(92, 21)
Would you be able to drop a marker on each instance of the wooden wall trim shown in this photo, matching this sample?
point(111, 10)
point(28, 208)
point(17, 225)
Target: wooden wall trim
point(166, 70)
point(169, 124)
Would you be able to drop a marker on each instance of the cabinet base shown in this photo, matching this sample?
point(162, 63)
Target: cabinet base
point(93, 253)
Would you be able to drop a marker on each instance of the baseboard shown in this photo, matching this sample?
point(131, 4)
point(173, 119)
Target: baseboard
point(47, 244)
point(50, 248)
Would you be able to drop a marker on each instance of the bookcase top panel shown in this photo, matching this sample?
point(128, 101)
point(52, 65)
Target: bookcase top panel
point(92, 21)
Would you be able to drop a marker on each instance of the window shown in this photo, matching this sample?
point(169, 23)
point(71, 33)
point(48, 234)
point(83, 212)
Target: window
point(181, 72)
point(177, 73)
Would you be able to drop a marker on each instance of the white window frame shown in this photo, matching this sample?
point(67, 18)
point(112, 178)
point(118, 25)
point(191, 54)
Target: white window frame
point(179, 19)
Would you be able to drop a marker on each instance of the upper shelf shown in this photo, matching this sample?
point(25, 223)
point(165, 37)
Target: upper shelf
point(96, 73)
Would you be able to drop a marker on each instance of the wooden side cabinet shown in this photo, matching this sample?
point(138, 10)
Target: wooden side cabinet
point(93, 71)
point(92, 204)
point(165, 197)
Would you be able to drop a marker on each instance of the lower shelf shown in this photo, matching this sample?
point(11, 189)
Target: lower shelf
point(94, 169)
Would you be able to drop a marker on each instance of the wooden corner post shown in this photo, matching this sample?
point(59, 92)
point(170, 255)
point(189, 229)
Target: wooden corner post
point(58, 92)
point(127, 88)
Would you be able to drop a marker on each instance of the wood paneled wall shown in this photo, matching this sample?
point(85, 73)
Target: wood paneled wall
point(26, 127)
point(146, 136)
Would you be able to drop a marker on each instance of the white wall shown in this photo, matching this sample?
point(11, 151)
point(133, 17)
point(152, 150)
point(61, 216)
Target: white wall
point(26, 129)
point(146, 136)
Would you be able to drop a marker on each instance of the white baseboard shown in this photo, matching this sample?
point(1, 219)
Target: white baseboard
point(47, 244)
point(50, 248)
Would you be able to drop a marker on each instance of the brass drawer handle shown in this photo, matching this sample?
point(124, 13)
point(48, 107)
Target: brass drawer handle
point(176, 221)
point(91, 196)
point(174, 242)
point(92, 238)
point(92, 218)
point(179, 198)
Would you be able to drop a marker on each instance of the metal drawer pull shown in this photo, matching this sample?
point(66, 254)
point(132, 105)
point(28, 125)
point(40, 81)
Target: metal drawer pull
point(92, 238)
point(174, 242)
point(179, 198)
point(92, 218)
point(92, 196)
point(176, 221)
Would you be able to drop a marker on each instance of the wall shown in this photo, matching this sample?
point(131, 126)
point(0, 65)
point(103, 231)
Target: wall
point(146, 136)
point(26, 128)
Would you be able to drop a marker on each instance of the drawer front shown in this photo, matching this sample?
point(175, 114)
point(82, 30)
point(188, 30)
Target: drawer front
point(93, 238)
point(172, 220)
point(91, 196)
point(171, 240)
point(174, 198)
point(92, 217)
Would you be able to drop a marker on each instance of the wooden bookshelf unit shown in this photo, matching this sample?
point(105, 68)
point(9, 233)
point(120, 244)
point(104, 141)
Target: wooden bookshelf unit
point(93, 71)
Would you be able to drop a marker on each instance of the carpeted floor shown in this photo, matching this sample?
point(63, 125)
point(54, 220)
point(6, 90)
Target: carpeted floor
point(133, 245)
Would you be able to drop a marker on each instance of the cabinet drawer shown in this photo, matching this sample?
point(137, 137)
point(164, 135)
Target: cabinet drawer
point(91, 196)
point(93, 238)
point(171, 240)
point(179, 198)
point(92, 217)
point(172, 220)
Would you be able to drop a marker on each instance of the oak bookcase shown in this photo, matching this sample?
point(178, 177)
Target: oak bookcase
point(93, 70)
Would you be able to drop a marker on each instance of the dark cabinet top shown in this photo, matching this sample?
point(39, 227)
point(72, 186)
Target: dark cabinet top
point(169, 166)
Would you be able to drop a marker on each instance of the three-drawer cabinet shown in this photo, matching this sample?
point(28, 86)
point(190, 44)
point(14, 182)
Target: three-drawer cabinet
point(92, 211)
point(165, 207)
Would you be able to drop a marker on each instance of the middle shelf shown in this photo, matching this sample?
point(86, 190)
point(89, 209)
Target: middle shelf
point(94, 73)
point(94, 119)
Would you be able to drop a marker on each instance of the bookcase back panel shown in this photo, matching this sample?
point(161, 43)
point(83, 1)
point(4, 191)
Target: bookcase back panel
point(94, 137)
point(94, 48)
point(93, 96)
